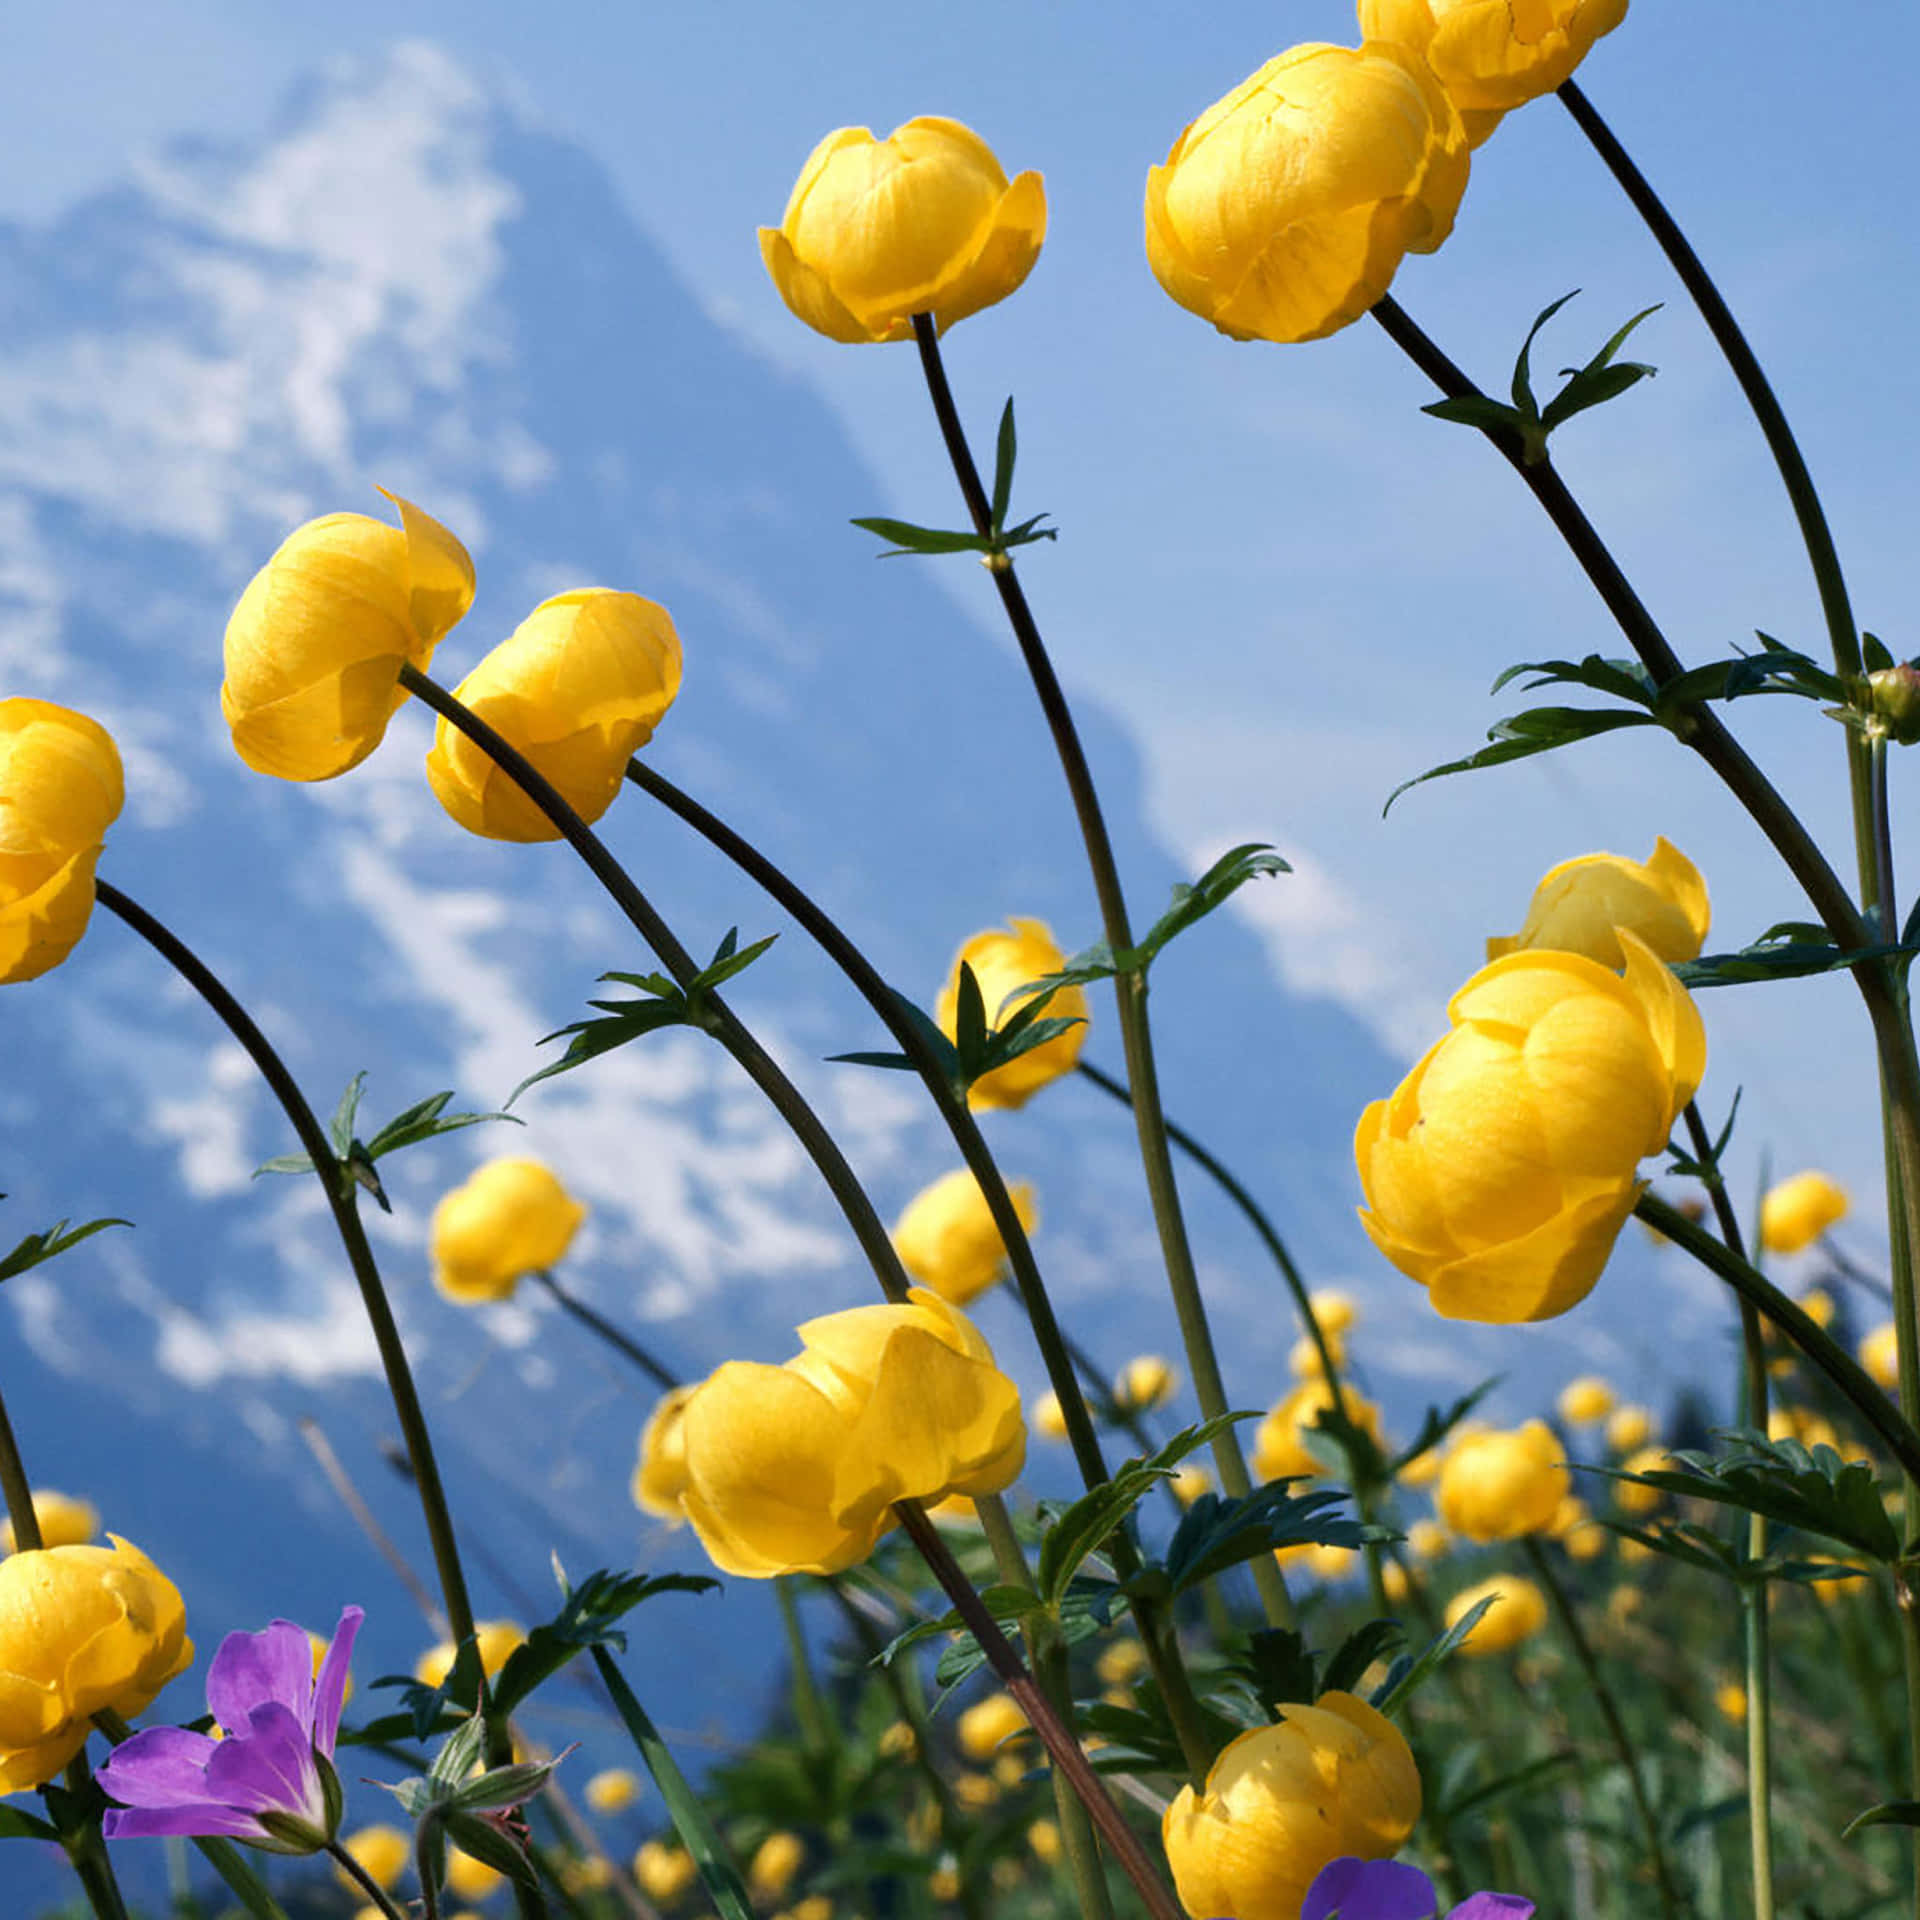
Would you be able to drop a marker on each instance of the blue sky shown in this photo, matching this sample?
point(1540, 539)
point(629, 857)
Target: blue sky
point(1293, 587)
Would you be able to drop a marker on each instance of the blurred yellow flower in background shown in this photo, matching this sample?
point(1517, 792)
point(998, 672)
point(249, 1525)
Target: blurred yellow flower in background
point(987, 1723)
point(946, 1238)
point(578, 687)
point(1519, 1610)
point(924, 221)
point(1145, 1382)
point(1500, 1486)
point(493, 1639)
point(1628, 1428)
point(664, 1872)
point(63, 1520)
point(1631, 1496)
point(1280, 1441)
point(1879, 1353)
point(1585, 1401)
point(775, 1861)
point(1049, 1419)
point(660, 1475)
point(1794, 1214)
point(507, 1218)
point(1003, 962)
point(1190, 1482)
point(315, 646)
point(612, 1790)
point(1731, 1699)
point(61, 788)
point(382, 1852)
point(1280, 1802)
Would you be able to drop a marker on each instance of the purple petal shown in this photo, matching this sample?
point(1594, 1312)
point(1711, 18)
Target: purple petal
point(1492, 1906)
point(1373, 1890)
point(252, 1668)
point(330, 1689)
point(162, 1767)
point(207, 1822)
point(270, 1765)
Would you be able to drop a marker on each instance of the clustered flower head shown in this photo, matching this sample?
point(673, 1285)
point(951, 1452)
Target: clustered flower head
point(509, 1217)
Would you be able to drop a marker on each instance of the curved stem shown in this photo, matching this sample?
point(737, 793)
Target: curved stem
point(1130, 988)
point(376, 1894)
point(655, 1370)
point(720, 1019)
point(1603, 1698)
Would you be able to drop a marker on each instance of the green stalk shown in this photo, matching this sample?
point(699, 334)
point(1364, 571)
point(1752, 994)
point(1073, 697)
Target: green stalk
point(1603, 1698)
point(376, 1894)
point(1130, 988)
point(721, 1021)
point(655, 1369)
point(816, 1731)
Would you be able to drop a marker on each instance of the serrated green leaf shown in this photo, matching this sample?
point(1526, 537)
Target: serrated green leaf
point(1026, 533)
point(1539, 730)
point(1281, 1666)
point(38, 1248)
point(907, 538)
point(589, 1039)
point(1216, 1533)
point(1357, 1652)
point(727, 961)
point(1594, 390)
point(1007, 1604)
point(425, 1120)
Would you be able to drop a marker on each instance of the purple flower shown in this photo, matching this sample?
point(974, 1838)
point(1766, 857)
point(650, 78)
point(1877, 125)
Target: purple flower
point(1390, 1890)
point(270, 1781)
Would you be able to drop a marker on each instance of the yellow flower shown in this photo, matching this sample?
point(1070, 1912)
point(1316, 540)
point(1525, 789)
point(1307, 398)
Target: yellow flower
point(315, 646)
point(1190, 1482)
point(1879, 1353)
point(1797, 1212)
point(83, 1630)
point(1501, 1170)
point(664, 1872)
point(775, 1862)
point(1581, 905)
point(947, 1240)
point(1280, 1442)
point(660, 1476)
point(1044, 1838)
point(1282, 213)
point(1303, 1357)
point(1427, 1540)
point(60, 789)
point(1334, 1310)
point(1394, 1582)
point(1731, 1698)
point(468, 1878)
point(1519, 1610)
point(1049, 1418)
point(816, 1906)
point(989, 1722)
point(1144, 1383)
point(1325, 1563)
point(1624, 1602)
point(1002, 962)
point(495, 1639)
point(1632, 1496)
point(1817, 1304)
point(382, 1851)
point(898, 1741)
point(1121, 1663)
point(923, 221)
point(64, 1521)
point(1628, 1428)
point(795, 1469)
point(1584, 1401)
point(612, 1790)
point(1493, 55)
point(944, 1883)
point(578, 686)
point(509, 1217)
point(1280, 1802)
point(1803, 1424)
point(1422, 1470)
point(1500, 1486)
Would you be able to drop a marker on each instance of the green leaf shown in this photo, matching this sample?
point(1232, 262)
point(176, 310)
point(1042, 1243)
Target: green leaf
point(730, 958)
point(1409, 1674)
point(1437, 1425)
point(1781, 960)
point(591, 1038)
point(587, 1618)
point(931, 1036)
point(1539, 730)
point(1357, 1652)
point(426, 1120)
point(1252, 861)
point(1601, 379)
point(1522, 383)
point(16, 1823)
point(907, 538)
point(1216, 1533)
point(1477, 411)
point(1281, 1666)
point(486, 1843)
point(1534, 1773)
point(1003, 453)
point(1889, 1813)
point(38, 1248)
point(1007, 1604)
point(1874, 653)
point(1626, 679)
point(457, 1754)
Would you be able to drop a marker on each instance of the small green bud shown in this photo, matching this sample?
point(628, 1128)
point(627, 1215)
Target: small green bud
point(1894, 693)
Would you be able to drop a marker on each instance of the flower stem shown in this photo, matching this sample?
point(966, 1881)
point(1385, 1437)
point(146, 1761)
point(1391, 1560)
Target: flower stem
point(1610, 1712)
point(656, 1370)
point(719, 1019)
point(376, 1894)
point(1061, 1746)
point(1130, 988)
point(816, 1731)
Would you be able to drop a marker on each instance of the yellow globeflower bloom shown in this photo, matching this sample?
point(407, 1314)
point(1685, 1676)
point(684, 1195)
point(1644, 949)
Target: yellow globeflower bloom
point(775, 1861)
point(1280, 1802)
point(83, 1630)
point(1519, 1610)
point(947, 1240)
point(1303, 1357)
point(1797, 1212)
point(612, 1790)
point(61, 787)
point(382, 1853)
point(316, 644)
point(1492, 55)
point(1189, 1483)
point(468, 1878)
point(1280, 1442)
point(795, 1469)
point(1803, 1424)
point(664, 1872)
point(660, 1476)
point(1427, 1540)
point(1144, 1383)
point(578, 686)
point(494, 1640)
point(1283, 212)
point(63, 1520)
point(509, 1217)
point(924, 221)
point(1049, 1418)
point(1500, 1172)
point(1325, 1563)
point(1630, 1495)
point(1879, 1353)
point(1585, 1401)
point(1003, 962)
point(1582, 905)
point(1334, 1310)
point(1501, 1486)
point(1422, 1470)
point(987, 1724)
point(1629, 1428)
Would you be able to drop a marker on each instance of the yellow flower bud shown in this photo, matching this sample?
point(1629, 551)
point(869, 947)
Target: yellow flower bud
point(1280, 1802)
point(1490, 55)
point(1879, 1353)
point(509, 1217)
point(1501, 1486)
point(1585, 1400)
point(1629, 1428)
point(612, 1790)
point(1797, 1212)
point(1280, 1442)
point(1519, 1610)
point(898, 1741)
point(664, 1872)
point(1283, 212)
point(83, 1630)
point(1144, 1383)
point(795, 1469)
point(947, 1240)
point(1002, 962)
point(382, 1852)
point(1624, 1602)
point(494, 1640)
point(660, 1477)
point(1049, 1418)
point(987, 1723)
point(1501, 1170)
point(60, 789)
point(64, 1521)
point(315, 646)
point(1581, 905)
point(1422, 1470)
point(578, 686)
point(1394, 1583)
point(776, 1860)
point(923, 221)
